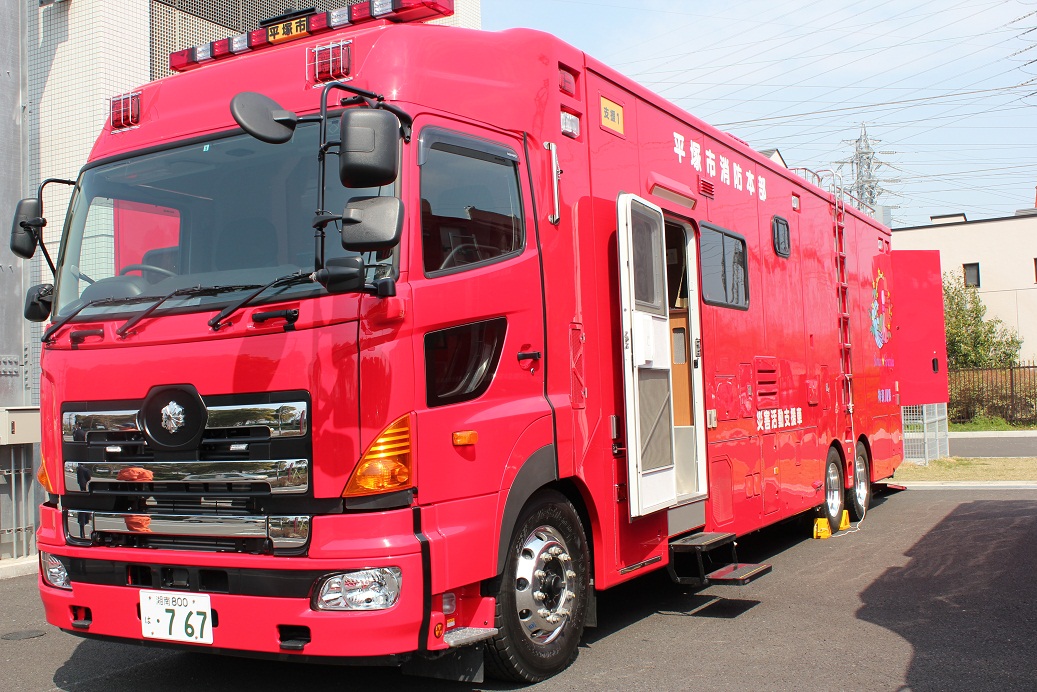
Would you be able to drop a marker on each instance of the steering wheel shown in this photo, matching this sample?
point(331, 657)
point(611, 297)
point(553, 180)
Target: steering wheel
point(145, 268)
point(449, 260)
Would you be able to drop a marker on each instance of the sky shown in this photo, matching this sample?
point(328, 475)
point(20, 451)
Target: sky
point(947, 89)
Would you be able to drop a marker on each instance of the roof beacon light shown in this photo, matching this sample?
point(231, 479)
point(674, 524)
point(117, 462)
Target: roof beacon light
point(238, 44)
point(338, 18)
point(126, 111)
point(417, 10)
point(360, 12)
point(380, 8)
point(297, 25)
point(220, 49)
point(331, 62)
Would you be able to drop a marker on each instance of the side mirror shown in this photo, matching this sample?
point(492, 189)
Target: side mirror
point(342, 274)
point(24, 238)
point(38, 302)
point(263, 118)
point(372, 223)
point(369, 147)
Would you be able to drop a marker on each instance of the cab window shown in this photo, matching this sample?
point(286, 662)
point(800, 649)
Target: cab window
point(471, 209)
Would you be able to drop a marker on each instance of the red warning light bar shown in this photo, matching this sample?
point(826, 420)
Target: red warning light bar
point(293, 27)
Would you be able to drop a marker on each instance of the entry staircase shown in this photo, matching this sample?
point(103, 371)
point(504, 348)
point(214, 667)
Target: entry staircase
point(707, 559)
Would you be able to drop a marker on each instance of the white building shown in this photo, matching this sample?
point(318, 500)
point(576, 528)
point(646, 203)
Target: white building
point(998, 256)
point(82, 52)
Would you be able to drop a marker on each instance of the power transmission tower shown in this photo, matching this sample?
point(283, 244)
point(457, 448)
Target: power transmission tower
point(866, 185)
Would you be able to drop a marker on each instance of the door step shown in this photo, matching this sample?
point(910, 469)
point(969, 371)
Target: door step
point(691, 557)
point(738, 574)
point(463, 636)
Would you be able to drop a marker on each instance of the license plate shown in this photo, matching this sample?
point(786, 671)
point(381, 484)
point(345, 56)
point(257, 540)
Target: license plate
point(177, 617)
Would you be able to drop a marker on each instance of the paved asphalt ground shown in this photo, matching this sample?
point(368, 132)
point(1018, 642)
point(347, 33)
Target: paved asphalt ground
point(936, 591)
point(1022, 443)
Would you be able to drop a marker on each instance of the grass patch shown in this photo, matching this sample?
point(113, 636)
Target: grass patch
point(985, 423)
point(967, 469)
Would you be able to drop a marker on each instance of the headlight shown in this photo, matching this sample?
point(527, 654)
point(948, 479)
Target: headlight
point(54, 572)
point(367, 589)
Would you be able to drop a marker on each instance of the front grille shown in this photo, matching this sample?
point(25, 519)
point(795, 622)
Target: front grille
point(212, 491)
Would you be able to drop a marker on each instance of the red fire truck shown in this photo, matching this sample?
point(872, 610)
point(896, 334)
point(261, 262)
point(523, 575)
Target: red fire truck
point(545, 333)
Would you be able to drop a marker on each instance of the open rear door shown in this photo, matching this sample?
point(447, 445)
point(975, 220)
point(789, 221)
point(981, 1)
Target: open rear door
point(648, 393)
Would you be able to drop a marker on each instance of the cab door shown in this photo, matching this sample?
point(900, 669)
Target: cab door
point(648, 391)
point(478, 309)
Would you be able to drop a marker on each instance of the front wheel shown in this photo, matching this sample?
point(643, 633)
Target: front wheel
point(542, 601)
point(834, 491)
point(859, 496)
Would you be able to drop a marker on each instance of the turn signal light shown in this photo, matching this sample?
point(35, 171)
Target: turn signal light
point(386, 465)
point(43, 478)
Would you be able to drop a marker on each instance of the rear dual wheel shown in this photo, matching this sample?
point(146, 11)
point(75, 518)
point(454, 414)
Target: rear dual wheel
point(858, 497)
point(832, 509)
point(542, 601)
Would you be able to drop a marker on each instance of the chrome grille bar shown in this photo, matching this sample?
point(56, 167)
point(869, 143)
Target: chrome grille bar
point(288, 419)
point(284, 532)
point(281, 476)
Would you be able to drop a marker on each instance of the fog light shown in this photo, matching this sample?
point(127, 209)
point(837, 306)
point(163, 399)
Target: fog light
point(368, 589)
point(54, 572)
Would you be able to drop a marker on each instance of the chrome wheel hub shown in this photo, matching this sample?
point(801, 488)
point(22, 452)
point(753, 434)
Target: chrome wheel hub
point(860, 480)
point(543, 577)
point(833, 493)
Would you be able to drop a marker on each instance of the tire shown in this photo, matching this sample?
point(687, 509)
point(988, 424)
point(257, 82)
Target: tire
point(834, 489)
point(858, 496)
point(542, 600)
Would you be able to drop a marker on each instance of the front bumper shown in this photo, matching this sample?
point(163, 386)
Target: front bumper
point(261, 604)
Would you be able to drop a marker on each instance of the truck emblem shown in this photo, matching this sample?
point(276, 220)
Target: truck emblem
point(173, 417)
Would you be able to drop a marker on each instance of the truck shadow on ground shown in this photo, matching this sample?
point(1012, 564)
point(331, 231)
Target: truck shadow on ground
point(967, 600)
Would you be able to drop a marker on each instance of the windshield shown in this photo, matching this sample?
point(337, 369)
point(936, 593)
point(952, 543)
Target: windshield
point(232, 214)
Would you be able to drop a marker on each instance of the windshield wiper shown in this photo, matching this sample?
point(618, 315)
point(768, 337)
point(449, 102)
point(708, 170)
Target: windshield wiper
point(90, 304)
point(191, 291)
point(288, 280)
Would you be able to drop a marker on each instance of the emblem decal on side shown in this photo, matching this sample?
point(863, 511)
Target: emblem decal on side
point(172, 417)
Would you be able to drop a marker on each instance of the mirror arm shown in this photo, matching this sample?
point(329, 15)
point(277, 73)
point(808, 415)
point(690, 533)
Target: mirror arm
point(37, 228)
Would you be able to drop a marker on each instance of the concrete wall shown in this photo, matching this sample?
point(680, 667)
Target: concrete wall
point(1006, 251)
point(13, 367)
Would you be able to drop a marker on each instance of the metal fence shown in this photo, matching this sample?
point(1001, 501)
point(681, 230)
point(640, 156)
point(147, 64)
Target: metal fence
point(925, 433)
point(17, 502)
point(1009, 393)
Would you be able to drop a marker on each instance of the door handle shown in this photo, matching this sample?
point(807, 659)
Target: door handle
point(529, 355)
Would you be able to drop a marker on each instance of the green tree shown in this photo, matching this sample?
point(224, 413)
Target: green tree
point(972, 340)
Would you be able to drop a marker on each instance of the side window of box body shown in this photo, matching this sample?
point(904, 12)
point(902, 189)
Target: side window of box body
point(782, 238)
point(723, 268)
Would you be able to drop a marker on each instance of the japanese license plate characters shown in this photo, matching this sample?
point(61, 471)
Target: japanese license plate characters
point(176, 616)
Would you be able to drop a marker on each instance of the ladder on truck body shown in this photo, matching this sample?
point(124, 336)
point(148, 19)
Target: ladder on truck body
point(842, 280)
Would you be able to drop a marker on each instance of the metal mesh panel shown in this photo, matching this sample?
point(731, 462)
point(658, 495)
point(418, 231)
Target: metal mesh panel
point(17, 502)
point(653, 392)
point(925, 433)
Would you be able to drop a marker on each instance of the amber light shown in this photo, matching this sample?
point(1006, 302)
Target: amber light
point(386, 465)
point(463, 438)
point(44, 478)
